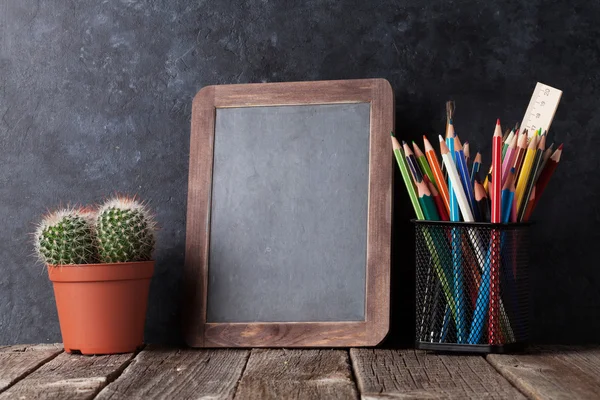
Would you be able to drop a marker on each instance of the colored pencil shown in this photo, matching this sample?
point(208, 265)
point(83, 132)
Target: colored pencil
point(494, 270)
point(476, 167)
point(412, 163)
point(463, 171)
point(506, 143)
point(486, 182)
point(508, 194)
point(462, 201)
point(521, 150)
point(439, 267)
point(546, 174)
point(454, 207)
point(496, 173)
point(422, 160)
point(508, 135)
point(530, 206)
point(410, 187)
point(509, 158)
point(482, 202)
point(545, 158)
point(461, 197)
point(525, 171)
point(450, 108)
point(439, 203)
point(537, 162)
point(426, 202)
point(513, 211)
point(440, 180)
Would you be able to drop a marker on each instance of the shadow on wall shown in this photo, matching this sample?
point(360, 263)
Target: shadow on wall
point(163, 318)
point(402, 319)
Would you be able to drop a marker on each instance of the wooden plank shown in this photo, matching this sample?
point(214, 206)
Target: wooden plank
point(553, 372)
point(69, 377)
point(18, 361)
point(301, 374)
point(412, 374)
point(179, 374)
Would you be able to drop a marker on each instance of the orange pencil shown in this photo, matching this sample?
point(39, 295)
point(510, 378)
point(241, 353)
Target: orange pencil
point(437, 173)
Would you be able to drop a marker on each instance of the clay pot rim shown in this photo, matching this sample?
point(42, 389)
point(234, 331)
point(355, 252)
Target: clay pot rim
point(101, 272)
point(120, 264)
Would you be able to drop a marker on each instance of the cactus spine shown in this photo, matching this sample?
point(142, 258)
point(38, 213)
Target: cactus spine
point(125, 231)
point(66, 237)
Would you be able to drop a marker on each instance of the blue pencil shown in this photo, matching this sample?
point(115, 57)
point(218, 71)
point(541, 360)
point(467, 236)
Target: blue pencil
point(508, 195)
point(454, 210)
point(481, 305)
point(456, 246)
point(463, 172)
point(476, 168)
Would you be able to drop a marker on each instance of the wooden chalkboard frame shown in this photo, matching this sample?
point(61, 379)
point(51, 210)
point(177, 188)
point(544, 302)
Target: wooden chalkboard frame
point(199, 333)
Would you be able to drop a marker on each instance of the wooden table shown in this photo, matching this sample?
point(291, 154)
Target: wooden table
point(45, 371)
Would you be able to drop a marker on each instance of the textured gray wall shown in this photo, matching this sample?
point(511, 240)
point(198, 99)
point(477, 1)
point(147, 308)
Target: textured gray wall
point(95, 98)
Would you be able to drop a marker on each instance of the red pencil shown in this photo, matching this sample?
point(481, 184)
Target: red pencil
point(546, 174)
point(530, 205)
point(494, 333)
point(495, 190)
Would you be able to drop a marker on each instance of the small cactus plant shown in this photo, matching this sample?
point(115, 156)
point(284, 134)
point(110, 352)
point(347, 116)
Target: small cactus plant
point(125, 231)
point(66, 237)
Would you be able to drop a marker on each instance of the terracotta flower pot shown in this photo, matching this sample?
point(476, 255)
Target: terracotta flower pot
point(102, 307)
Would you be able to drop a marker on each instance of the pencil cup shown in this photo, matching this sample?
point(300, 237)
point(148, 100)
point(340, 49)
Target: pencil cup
point(472, 286)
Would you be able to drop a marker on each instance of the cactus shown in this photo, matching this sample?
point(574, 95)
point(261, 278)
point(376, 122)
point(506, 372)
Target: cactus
point(66, 237)
point(125, 231)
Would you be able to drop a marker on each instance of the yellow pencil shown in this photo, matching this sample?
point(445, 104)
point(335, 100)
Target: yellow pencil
point(525, 171)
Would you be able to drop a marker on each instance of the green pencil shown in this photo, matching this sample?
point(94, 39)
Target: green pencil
point(439, 270)
point(422, 160)
point(410, 187)
point(427, 203)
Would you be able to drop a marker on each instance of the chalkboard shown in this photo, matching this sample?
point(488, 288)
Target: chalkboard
point(289, 214)
point(289, 206)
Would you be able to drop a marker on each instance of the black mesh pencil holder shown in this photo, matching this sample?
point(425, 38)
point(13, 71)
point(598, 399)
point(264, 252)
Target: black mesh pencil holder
point(472, 286)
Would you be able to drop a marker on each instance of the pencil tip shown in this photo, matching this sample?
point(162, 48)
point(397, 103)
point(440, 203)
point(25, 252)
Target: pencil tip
point(560, 147)
point(440, 137)
point(498, 121)
point(392, 134)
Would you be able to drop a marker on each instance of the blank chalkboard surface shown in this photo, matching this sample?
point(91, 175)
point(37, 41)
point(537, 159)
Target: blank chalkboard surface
point(289, 215)
point(289, 207)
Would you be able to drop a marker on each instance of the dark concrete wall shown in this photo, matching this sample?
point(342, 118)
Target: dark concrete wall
point(95, 99)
